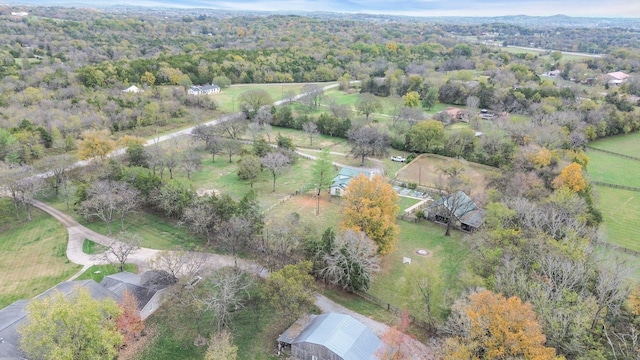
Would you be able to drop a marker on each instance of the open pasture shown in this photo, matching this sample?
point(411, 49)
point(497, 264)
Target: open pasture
point(628, 144)
point(620, 211)
point(424, 171)
point(613, 169)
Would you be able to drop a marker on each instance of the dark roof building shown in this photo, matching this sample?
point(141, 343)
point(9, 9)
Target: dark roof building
point(341, 181)
point(330, 337)
point(466, 212)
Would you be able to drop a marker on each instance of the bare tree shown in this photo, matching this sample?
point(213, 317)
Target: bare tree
point(57, 166)
point(368, 104)
point(109, 200)
point(234, 235)
point(191, 161)
point(367, 141)
point(456, 204)
point(10, 179)
point(352, 261)
point(210, 137)
point(233, 128)
point(276, 162)
point(251, 101)
point(311, 129)
point(312, 96)
point(231, 147)
point(339, 111)
point(179, 264)
point(263, 116)
point(121, 247)
point(227, 292)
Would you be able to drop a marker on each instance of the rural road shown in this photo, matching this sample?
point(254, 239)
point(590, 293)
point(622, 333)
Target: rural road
point(412, 348)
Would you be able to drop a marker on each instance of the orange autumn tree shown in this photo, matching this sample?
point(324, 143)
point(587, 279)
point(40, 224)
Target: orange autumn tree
point(371, 207)
point(488, 326)
point(129, 323)
point(571, 178)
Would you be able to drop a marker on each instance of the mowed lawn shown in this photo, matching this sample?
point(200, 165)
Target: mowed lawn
point(228, 98)
point(628, 144)
point(613, 169)
point(32, 254)
point(621, 213)
point(445, 260)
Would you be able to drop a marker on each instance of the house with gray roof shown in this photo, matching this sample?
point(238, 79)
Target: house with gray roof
point(330, 337)
point(468, 216)
point(148, 289)
point(341, 181)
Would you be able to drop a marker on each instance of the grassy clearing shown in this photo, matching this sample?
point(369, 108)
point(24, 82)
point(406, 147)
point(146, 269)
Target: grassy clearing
point(305, 206)
point(92, 248)
point(404, 203)
point(255, 329)
point(620, 211)
point(157, 232)
point(98, 272)
point(32, 254)
point(628, 144)
point(447, 256)
point(613, 169)
point(228, 98)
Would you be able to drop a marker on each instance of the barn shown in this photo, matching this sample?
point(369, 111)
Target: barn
point(330, 337)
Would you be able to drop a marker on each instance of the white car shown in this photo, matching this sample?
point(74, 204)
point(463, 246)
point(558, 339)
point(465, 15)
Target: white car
point(398, 159)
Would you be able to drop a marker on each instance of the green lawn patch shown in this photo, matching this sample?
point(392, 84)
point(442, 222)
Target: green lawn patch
point(227, 99)
point(446, 257)
point(404, 203)
point(620, 210)
point(628, 144)
point(98, 272)
point(92, 248)
point(32, 254)
point(613, 169)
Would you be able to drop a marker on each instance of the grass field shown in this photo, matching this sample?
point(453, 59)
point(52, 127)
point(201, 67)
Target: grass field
point(228, 98)
point(98, 272)
point(446, 258)
point(621, 212)
point(32, 254)
point(404, 203)
point(92, 248)
point(424, 171)
point(628, 144)
point(613, 169)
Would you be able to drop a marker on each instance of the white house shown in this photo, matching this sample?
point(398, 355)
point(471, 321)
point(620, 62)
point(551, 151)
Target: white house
point(204, 89)
point(133, 89)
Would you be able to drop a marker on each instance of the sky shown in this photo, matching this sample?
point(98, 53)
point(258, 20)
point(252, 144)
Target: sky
point(588, 8)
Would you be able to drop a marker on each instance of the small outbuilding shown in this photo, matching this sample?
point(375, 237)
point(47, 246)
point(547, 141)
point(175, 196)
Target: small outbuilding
point(133, 89)
point(330, 337)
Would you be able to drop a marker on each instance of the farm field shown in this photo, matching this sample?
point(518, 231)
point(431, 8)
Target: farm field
point(628, 144)
point(227, 99)
point(32, 254)
point(621, 213)
point(424, 171)
point(613, 169)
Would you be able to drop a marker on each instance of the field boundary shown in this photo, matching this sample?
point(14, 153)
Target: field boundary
point(615, 186)
point(395, 310)
point(613, 153)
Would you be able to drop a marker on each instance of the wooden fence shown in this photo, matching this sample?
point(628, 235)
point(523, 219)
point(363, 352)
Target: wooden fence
point(385, 305)
point(614, 153)
point(615, 186)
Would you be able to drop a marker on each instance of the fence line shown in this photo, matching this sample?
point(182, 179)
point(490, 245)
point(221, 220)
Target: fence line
point(620, 248)
point(614, 153)
point(630, 188)
point(385, 305)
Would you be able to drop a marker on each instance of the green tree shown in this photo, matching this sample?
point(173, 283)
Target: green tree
point(411, 99)
point(322, 171)
point(368, 104)
point(73, 328)
point(430, 98)
point(290, 290)
point(426, 136)
point(221, 347)
point(351, 262)
point(249, 168)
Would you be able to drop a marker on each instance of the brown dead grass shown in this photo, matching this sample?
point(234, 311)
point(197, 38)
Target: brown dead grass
point(424, 171)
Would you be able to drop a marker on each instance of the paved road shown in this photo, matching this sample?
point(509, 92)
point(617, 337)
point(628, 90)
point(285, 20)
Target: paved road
point(77, 233)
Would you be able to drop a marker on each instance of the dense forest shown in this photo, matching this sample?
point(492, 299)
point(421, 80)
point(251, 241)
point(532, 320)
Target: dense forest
point(64, 71)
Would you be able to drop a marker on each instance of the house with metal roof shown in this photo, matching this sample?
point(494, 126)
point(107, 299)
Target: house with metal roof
point(203, 89)
point(148, 289)
point(341, 181)
point(467, 214)
point(330, 337)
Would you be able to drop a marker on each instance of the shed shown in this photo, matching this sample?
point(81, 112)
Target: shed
point(133, 89)
point(330, 337)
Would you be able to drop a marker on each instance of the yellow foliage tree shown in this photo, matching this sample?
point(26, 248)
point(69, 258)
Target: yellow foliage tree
point(129, 140)
point(542, 158)
point(371, 206)
point(493, 327)
point(95, 143)
point(571, 178)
